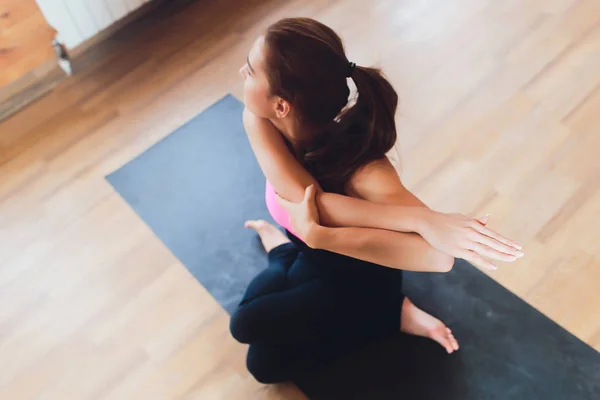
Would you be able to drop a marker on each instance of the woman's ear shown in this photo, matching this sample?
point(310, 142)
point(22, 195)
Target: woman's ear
point(282, 108)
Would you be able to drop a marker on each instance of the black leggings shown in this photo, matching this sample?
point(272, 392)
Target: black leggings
point(310, 307)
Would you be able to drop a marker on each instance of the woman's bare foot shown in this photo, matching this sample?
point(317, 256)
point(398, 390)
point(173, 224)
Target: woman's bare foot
point(270, 236)
point(417, 322)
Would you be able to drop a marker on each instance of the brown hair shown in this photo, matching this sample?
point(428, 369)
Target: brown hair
point(306, 65)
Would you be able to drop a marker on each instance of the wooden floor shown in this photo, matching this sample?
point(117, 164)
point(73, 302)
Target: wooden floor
point(500, 112)
point(25, 39)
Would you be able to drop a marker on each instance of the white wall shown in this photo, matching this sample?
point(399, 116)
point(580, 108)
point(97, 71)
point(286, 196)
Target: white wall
point(78, 20)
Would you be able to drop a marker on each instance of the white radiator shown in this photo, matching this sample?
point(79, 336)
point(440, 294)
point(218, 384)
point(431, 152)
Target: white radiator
point(78, 20)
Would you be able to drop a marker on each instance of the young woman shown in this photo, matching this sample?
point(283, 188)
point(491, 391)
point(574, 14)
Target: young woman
point(334, 282)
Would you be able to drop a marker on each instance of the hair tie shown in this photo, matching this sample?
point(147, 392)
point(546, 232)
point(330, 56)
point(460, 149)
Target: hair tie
point(351, 67)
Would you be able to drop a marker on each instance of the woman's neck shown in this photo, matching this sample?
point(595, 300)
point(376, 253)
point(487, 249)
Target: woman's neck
point(288, 129)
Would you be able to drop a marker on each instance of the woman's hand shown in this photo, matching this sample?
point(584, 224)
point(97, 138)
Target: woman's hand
point(454, 234)
point(467, 238)
point(304, 216)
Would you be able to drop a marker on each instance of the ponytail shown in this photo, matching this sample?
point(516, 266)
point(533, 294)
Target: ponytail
point(362, 133)
point(376, 104)
point(306, 65)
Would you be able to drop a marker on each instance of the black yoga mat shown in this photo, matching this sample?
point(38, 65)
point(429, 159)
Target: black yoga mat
point(196, 187)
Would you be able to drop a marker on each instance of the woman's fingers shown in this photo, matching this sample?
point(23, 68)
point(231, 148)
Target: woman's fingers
point(484, 220)
point(309, 194)
point(310, 204)
point(488, 232)
point(489, 252)
point(495, 245)
point(478, 261)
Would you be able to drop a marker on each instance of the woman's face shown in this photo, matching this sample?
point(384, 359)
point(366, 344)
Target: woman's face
point(256, 85)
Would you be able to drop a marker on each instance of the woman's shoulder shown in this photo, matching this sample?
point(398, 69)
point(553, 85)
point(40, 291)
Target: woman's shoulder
point(376, 179)
point(381, 169)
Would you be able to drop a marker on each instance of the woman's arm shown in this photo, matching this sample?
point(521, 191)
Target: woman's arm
point(379, 183)
point(453, 234)
point(290, 180)
point(406, 251)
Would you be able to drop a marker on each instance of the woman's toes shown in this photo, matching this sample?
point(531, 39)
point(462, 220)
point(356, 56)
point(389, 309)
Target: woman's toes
point(448, 341)
point(270, 236)
point(255, 224)
point(417, 322)
point(448, 347)
point(455, 343)
point(452, 339)
point(443, 338)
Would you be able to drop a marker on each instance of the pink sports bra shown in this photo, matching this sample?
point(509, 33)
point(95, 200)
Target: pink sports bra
point(277, 212)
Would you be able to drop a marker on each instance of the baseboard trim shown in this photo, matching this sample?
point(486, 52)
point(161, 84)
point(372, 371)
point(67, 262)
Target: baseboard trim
point(42, 79)
point(30, 87)
point(113, 28)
